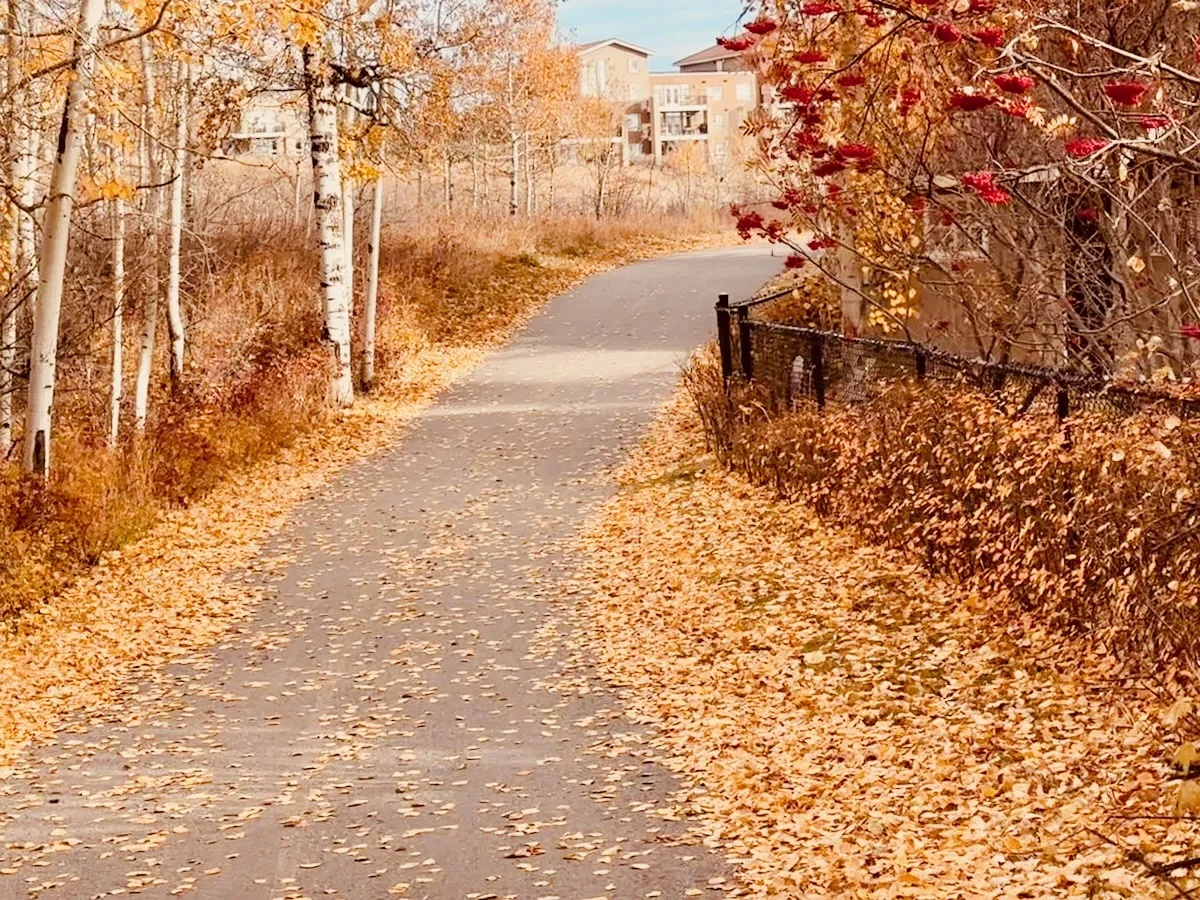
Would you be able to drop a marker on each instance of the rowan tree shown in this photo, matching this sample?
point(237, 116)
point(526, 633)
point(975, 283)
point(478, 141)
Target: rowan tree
point(1032, 164)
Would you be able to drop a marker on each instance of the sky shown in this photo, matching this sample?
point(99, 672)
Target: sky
point(671, 28)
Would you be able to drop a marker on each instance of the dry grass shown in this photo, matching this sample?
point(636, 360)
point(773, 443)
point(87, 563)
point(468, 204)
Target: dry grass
point(255, 383)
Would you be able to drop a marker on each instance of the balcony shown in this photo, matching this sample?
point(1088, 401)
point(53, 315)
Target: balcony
point(683, 134)
point(680, 102)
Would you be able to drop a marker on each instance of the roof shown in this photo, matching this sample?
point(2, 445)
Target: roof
point(613, 42)
point(709, 54)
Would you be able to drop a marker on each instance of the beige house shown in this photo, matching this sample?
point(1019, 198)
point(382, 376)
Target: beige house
point(708, 107)
point(704, 103)
point(715, 59)
point(272, 124)
point(619, 72)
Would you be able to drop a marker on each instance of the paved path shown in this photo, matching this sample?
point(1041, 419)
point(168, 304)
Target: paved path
point(404, 718)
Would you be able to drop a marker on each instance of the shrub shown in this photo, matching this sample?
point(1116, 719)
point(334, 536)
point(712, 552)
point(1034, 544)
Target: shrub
point(1095, 523)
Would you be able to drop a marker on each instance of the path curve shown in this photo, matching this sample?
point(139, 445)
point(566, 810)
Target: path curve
point(402, 717)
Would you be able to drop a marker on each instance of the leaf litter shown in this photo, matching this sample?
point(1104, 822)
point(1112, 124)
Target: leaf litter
point(849, 726)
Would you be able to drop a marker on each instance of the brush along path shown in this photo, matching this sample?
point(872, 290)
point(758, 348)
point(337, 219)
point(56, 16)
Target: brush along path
point(381, 723)
point(852, 728)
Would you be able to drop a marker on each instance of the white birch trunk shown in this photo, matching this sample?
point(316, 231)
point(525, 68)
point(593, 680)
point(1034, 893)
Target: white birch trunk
point(348, 239)
point(368, 370)
point(118, 286)
point(141, 390)
point(327, 208)
point(175, 325)
point(514, 185)
point(530, 200)
point(43, 362)
point(21, 242)
point(349, 95)
point(8, 361)
point(118, 322)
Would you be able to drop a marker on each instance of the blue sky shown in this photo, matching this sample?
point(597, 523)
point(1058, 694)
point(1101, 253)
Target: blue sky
point(671, 28)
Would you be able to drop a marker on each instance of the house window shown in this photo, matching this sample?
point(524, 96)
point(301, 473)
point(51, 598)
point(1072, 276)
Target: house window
point(633, 64)
point(633, 122)
point(745, 92)
point(633, 92)
point(716, 92)
point(720, 121)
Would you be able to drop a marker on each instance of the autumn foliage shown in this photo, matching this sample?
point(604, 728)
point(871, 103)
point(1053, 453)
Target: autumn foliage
point(1029, 164)
point(1096, 524)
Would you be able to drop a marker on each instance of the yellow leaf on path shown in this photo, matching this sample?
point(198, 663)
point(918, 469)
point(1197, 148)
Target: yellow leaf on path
point(1186, 756)
point(1188, 798)
point(1180, 709)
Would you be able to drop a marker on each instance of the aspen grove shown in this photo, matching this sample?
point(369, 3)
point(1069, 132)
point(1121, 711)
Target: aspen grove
point(115, 111)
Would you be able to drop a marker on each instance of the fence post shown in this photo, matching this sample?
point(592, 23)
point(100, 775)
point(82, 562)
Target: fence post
point(922, 365)
point(724, 338)
point(1063, 404)
point(818, 367)
point(747, 353)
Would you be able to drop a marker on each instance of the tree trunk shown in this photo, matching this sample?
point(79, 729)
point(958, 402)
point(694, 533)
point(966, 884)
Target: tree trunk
point(448, 179)
point(850, 270)
point(514, 184)
point(43, 360)
point(21, 243)
point(175, 324)
point(368, 371)
point(530, 202)
point(118, 322)
point(150, 175)
point(297, 197)
point(474, 179)
point(327, 206)
point(348, 239)
point(118, 285)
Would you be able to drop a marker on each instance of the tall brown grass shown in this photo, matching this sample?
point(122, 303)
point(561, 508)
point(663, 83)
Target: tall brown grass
point(256, 376)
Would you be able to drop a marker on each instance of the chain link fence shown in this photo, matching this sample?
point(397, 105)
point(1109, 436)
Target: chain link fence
point(795, 365)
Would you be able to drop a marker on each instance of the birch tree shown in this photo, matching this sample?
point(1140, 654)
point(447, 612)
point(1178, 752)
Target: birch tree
point(43, 361)
point(21, 283)
point(149, 162)
point(369, 313)
point(117, 389)
point(175, 324)
point(327, 207)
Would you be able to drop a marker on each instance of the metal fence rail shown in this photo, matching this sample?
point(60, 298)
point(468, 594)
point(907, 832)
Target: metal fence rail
point(796, 364)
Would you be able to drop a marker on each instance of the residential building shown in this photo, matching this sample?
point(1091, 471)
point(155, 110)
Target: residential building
point(271, 125)
point(618, 71)
point(705, 102)
point(708, 107)
point(716, 59)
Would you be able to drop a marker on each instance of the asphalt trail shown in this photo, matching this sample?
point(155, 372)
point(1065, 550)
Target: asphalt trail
point(403, 717)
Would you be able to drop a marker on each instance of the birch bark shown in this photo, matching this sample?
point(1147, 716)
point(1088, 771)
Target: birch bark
point(327, 208)
point(368, 373)
point(175, 326)
point(43, 361)
point(150, 173)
